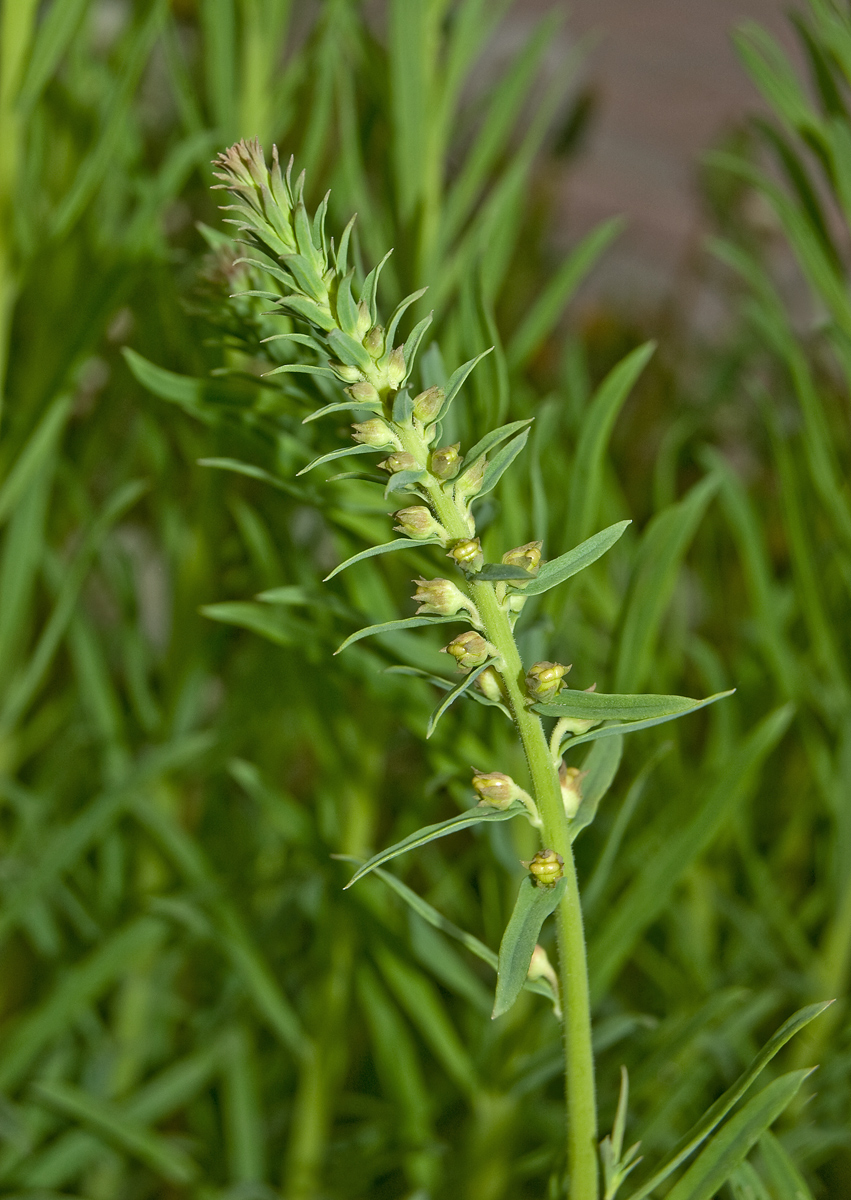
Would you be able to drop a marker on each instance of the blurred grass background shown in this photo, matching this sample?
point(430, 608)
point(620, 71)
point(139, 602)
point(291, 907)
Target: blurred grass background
point(190, 1005)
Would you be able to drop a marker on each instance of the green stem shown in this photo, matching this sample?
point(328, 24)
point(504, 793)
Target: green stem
point(573, 966)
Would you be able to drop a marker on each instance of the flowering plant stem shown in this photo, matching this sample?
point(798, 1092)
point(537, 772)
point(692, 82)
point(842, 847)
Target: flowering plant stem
point(573, 965)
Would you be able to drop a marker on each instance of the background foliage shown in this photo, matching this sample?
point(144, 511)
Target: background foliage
point(190, 1004)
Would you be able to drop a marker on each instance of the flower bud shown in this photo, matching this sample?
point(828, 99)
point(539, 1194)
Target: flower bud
point(546, 868)
point(364, 392)
point(494, 788)
point(372, 433)
point(570, 779)
point(527, 558)
point(544, 680)
point(445, 462)
point(427, 405)
point(490, 685)
point(400, 461)
point(418, 523)
point(373, 341)
point(396, 370)
point(469, 650)
point(470, 483)
point(345, 372)
point(439, 596)
point(468, 554)
point(364, 320)
point(541, 968)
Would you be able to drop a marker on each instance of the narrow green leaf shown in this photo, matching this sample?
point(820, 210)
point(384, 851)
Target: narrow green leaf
point(550, 304)
point(430, 833)
point(404, 623)
point(590, 706)
point(258, 618)
point(575, 560)
point(161, 1155)
point(733, 1143)
point(533, 905)
point(716, 1114)
point(446, 685)
point(340, 406)
point(599, 769)
point(412, 343)
point(615, 730)
point(501, 461)
point(252, 472)
point(587, 476)
point(35, 454)
point(493, 439)
point(458, 378)
point(386, 548)
point(452, 695)
point(498, 573)
point(785, 1178)
point(343, 452)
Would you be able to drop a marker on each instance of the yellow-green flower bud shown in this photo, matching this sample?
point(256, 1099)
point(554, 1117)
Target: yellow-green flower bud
point(527, 558)
point(468, 554)
point(345, 372)
point(373, 341)
point(439, 596)
point(541, 968)
point(363, 392)
point(469, 650)
point(372, 433)
point(418, 523)
point(427, 405)
point(546, 868)
point(401, 461)
point(364, 320)
point(445, 462)
point(544, 680)
point(570, 779)
point(395, 371)
point(494, 788)
point(469, 484)
point(490, 685)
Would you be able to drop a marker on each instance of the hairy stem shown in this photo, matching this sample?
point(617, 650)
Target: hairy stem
point(573, 967)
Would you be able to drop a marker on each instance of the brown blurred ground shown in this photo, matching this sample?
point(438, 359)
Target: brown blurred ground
point(666, 83)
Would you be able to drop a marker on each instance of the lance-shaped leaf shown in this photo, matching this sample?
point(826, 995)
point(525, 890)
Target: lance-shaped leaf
point(493, 439)
point(253, 472)
point(501, 461)
point(618, 727)
point(344, 452)
point(430, 833)
point(403, 481)
point(412, 345)
point(452, 695)
point(731, 1145)
point(349, 351)
point(716, 1114)
point(340, 406)
point(369, 292)
point(534, 904)
point(422, 908)
point(600, 706)
point(576, 560)
point(295, 368)
point(446, 685)
point(386, 548)
point(398, 313)
point(497, 573)
point(404, 623)
point(599, 769)
point(458, 378)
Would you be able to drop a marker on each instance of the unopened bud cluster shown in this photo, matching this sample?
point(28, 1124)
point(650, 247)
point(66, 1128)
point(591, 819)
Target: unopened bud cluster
point(570, 779)
point(469, 650)
point(496, 789)
point(468, 554)
point(440, 597)
point(544, 680)
point(546, 868)
point(418, 523)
